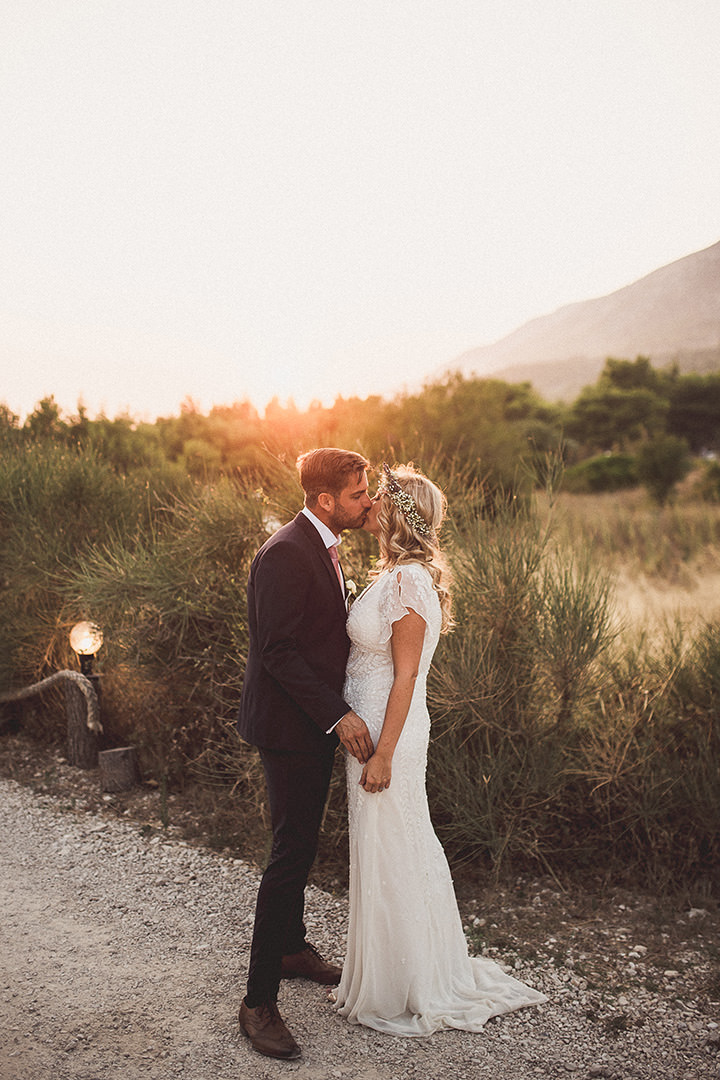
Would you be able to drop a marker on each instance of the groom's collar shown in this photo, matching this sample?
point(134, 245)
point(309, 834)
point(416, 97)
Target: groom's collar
point(329, 538)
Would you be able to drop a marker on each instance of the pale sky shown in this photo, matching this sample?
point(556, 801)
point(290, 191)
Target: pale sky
point(230, 199)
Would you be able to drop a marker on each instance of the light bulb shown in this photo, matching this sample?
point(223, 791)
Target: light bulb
point(86, 638)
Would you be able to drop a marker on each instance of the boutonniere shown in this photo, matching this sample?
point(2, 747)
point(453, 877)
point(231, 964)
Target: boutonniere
point(350, 590)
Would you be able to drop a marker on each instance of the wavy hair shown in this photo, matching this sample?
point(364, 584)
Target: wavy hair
point(328, 469)
point(401, 543)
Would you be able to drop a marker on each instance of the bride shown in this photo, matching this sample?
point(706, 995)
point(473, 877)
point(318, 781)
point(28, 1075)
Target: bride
point(407, 969)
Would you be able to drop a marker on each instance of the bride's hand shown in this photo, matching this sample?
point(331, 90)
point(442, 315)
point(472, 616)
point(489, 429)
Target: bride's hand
point(377, 774)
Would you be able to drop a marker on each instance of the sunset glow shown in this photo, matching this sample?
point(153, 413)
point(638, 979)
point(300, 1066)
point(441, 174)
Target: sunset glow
point(230, 201)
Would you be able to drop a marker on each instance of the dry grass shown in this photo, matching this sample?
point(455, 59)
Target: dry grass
point(664, 563)
point(648, 604)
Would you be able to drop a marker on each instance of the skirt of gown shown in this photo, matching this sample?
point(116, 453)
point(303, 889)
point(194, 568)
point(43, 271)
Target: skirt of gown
point(407, 970)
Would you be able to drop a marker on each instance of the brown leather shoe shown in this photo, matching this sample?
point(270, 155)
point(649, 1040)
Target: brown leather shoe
point(309, 964)
point(266, 1031)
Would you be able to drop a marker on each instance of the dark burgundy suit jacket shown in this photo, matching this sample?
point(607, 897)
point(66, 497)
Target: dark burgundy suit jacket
point(292, 689)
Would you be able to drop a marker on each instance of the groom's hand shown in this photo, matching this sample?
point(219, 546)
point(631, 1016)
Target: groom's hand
point(355, 737)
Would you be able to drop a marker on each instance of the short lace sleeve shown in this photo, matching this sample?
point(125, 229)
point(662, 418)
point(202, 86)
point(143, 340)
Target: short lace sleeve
point(408, 586)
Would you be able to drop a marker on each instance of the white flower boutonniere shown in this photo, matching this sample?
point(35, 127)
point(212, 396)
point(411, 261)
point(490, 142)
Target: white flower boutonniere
point(351, 592)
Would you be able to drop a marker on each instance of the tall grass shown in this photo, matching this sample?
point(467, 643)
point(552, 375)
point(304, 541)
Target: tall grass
point(173, 605)
point(57, 506)
point(627, 527)
point(507, 686)
point(556, 743)
point(651, 764)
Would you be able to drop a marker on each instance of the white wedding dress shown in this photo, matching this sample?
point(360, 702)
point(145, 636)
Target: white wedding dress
point(407, 969)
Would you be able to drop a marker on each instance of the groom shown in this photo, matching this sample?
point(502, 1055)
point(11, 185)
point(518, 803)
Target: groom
point(292, 709)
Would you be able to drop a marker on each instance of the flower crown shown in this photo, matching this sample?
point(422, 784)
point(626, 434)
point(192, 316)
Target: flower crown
point(405, 503)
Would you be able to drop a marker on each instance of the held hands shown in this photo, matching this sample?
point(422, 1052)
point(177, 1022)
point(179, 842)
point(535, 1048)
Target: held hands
point(377, 773)
point(355, 737)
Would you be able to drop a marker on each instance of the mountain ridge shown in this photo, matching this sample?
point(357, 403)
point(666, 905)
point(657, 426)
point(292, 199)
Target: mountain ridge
point(670, 315)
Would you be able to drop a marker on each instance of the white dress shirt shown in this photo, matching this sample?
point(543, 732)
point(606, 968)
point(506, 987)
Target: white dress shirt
point(328, 537)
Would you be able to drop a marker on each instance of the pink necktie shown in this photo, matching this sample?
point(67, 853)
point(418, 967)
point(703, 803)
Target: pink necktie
point(336, 564)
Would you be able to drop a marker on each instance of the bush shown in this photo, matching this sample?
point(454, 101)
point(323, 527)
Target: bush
point(555, 744)
point(173, 604)
point(608, 472)
point(662, 463)
point(508, 685)
point(57, 506)
point(708, 484)
point(652, 762)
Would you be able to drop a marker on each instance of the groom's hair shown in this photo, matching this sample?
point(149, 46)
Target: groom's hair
point(328, 469)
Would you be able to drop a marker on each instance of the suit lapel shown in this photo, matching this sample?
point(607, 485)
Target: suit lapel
point(323, 554)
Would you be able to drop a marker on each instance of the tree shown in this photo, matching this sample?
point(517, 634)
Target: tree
point(45, 421)
point(201, 458)
point(607, 418)
point(637, 374)
point(661, 464)
point(9, 426)
point(694, 412)
point(487, 423)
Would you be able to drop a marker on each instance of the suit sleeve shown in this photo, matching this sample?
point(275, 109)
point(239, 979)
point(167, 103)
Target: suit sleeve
point(282, 593)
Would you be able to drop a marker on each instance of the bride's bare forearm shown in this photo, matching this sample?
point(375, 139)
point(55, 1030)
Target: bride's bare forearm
point(406, 644)
point(396, 712)
point(377, 773)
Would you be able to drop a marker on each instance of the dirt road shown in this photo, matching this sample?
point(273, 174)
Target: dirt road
point(123, 956)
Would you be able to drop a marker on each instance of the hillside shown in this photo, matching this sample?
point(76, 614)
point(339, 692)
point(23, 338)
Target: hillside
point(671, 315)
point(562, 380)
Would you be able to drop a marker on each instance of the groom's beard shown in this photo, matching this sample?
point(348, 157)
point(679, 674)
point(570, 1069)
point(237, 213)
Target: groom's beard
point(342, 520)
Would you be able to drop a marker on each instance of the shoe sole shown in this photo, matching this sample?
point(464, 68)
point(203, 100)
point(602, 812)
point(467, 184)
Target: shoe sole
point(328, 981)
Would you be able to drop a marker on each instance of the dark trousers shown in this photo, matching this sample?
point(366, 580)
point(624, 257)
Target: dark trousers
point(297, 787)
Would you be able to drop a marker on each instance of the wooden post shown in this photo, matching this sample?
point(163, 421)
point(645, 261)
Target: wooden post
point(119, 769)
point(82, 748)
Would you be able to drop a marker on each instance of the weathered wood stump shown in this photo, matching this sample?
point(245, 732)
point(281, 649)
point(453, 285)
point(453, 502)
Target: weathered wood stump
point(119, 769)
point(82, 741)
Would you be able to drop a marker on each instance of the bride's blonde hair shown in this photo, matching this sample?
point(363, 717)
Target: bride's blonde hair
point(401, 542)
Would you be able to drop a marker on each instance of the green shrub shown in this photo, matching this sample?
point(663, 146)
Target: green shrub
point(708, 484)
point(556, 744)
point(650, 764)
point(508, 684)
point(661, 464)
point(173, 605)
point(607, 472)
point(57, 506)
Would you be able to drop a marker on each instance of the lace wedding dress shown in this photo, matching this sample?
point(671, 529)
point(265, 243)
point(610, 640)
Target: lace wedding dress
point(407, 969)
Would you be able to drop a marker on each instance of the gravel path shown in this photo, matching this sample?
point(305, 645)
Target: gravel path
point(124, 953)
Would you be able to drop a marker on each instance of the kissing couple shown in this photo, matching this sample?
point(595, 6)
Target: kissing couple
point(316, 676)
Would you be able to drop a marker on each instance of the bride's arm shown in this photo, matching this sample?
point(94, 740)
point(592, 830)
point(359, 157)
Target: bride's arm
point(406, 644)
